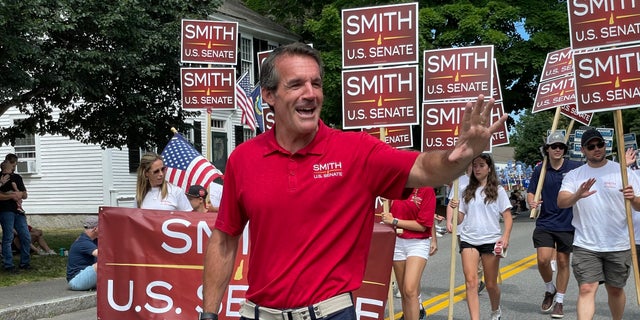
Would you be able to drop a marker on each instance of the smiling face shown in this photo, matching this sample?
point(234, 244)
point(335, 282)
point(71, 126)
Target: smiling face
point(297, 100)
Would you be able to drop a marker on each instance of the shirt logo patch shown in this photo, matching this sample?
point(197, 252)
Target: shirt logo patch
point(327, 170)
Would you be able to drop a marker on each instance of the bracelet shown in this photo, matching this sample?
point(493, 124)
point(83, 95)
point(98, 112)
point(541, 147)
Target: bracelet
point(208, 316)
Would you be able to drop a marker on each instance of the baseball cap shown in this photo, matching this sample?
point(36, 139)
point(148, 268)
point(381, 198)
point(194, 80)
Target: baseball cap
point(555, 137)
point(91, 222)
point(197, 191)
point(590, 135)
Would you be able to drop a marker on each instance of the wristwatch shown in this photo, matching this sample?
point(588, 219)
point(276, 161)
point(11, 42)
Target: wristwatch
point(208, 316)
point(394, 222)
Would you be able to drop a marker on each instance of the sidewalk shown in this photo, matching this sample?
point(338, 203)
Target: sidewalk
point(42, 299)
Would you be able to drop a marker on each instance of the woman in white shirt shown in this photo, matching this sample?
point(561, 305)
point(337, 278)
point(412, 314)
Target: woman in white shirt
point(484, 201)
point(153, 191)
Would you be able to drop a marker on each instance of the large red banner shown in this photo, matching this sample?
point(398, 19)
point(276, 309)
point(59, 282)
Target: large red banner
point(209, 42)
point(607, 79)
point(208, 88)
point(603, 23)
point(458, 73)
point(380, 35)
point(380, 97)
point(151, 264)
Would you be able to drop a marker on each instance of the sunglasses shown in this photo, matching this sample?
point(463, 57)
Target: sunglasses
point(556, 146)
point(157, 171)
point(592, 146)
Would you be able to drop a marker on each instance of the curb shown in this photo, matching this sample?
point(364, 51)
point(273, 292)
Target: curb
point(50, 308)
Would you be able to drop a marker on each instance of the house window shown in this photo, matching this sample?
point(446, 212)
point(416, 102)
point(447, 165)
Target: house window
point(25, 149)
point(246, 54)
point(247, 133)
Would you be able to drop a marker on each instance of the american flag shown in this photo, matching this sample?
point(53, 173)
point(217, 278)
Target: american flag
point(186, 166)
point(242, 87)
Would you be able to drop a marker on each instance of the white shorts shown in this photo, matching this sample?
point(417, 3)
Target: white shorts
point(411, 248)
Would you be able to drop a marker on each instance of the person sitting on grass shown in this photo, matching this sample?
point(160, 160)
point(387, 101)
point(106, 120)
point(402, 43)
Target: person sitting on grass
point(37, 238)
point(82, 266)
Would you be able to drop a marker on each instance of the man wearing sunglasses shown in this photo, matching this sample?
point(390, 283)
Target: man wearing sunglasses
point(553, 226)
point(601, 249)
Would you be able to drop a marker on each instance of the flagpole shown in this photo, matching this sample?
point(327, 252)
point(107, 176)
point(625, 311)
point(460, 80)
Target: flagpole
point(617, 120)
point(543, 171)
point(385, 209)
point(454, 238)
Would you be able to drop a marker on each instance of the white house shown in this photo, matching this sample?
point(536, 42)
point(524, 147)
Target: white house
point(64, 176)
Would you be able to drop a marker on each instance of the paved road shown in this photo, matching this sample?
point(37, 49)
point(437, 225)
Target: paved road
point(522, 288)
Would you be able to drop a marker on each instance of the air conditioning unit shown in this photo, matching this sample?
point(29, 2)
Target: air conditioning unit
point(26, 167)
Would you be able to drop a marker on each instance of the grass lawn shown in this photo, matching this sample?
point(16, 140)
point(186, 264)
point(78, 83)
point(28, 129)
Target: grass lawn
point(44, 267)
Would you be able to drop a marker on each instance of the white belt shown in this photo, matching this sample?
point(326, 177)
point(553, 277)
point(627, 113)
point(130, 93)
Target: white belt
point(320, 309)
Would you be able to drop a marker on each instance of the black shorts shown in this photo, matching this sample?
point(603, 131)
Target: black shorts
point(561, 240)
point(482, 249)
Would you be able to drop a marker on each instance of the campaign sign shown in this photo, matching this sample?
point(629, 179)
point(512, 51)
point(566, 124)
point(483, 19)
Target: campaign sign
point(268, 117)
point(607, 79)
point(630, 141)
point(380, 97)
point(458, 73)
point(262, 55)
point(441, 121)
point(501, 137)
point(157, 273)
point(397, 137)
point(209, 42)
point(571, 111)
point(603, 23)
point(607, 135)
point(497, 90)
point(386, 35)
point(557, 65)
point(554, 93)
point(208, 88)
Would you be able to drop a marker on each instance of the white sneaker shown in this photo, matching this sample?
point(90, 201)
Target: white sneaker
point(554, 266)
point(495, 315)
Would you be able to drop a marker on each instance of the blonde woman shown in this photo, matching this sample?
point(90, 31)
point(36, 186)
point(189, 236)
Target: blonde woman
point(153, 191)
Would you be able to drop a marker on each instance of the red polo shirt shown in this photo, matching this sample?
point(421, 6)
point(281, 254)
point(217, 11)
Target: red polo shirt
point(311, 212)
point(423, 213)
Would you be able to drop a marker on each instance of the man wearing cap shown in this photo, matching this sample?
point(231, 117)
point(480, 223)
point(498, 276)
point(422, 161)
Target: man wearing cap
point(197, 196)
point(553, 226)
point(601, 249)
point(82, 266)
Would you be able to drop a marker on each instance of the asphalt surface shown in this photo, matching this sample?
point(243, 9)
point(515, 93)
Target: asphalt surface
point(43, 299)
point(522, 290)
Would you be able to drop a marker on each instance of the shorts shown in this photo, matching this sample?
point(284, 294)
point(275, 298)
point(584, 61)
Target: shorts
point(84, 280)
point(411, 248)
point(482, 249)
point(611, 268)
point(561, 240)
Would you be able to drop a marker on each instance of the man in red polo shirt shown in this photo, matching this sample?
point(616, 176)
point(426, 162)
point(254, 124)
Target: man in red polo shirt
point(309, 193)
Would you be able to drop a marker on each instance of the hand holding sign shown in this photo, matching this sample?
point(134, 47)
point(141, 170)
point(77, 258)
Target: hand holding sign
point(475, 130)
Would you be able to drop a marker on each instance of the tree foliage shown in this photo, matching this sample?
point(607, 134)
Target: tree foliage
point(443, 24)
point(111, 67)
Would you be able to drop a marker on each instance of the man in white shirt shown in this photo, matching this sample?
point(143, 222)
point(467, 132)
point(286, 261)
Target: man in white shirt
point(601, 249)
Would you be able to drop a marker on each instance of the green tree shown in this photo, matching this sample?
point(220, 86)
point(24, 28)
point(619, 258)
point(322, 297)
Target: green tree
point(111, 67)
point(522, 31)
